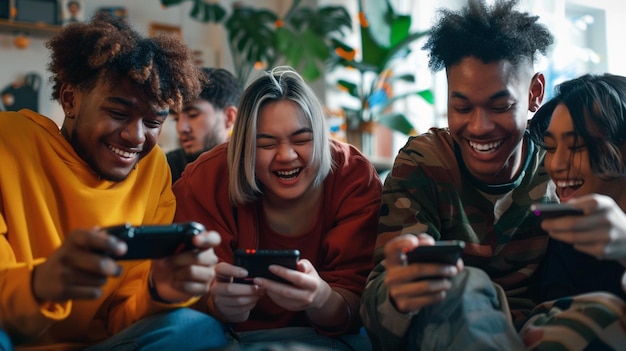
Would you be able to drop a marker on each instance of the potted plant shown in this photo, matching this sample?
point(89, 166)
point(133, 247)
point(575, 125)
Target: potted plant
point(259, 37)
point(385, 38)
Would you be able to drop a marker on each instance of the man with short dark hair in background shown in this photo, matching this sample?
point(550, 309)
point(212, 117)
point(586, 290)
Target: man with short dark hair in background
point(206, 121)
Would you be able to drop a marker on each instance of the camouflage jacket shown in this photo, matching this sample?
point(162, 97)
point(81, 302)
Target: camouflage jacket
point(429, 191)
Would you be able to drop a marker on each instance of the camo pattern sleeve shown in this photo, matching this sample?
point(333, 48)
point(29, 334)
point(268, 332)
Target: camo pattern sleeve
point(427, 192)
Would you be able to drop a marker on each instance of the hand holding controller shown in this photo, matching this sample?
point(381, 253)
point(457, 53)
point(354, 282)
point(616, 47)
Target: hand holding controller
point(155, 241)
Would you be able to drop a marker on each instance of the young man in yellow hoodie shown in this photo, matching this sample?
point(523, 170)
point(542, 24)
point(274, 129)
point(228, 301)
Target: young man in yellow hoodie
point(60, 288)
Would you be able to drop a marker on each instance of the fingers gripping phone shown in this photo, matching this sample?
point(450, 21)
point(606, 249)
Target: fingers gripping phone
point(256, 262)
point(554, 210)
point(155, 241)
point(445, 252)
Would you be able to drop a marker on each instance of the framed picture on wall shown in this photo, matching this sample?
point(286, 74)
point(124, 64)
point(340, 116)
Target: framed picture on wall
point(167, 29)
point(36, 11)
point(72, 11)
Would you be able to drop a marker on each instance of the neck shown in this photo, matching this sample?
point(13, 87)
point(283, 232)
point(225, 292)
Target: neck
point(293, 217)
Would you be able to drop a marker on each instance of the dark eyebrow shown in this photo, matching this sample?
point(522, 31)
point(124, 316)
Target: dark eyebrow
point(500, 94)
point(567, 135)
point(129, 104)
point(297, 132)
point(190, 108)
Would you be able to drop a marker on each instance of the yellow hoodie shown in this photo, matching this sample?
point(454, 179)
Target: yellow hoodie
point(46, 191)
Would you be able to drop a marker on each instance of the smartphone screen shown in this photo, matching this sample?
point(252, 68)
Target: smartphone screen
point(256, 262)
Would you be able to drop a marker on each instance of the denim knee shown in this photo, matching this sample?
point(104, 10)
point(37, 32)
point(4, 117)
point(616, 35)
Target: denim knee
point(5, 342)
point(193, 325)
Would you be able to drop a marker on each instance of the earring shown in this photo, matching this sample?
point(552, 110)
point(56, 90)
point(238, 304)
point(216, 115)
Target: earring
point(68, 113)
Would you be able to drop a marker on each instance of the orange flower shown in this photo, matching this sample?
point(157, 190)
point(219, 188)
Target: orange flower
point(342, 88)
point(279, 23)
point(363, 20)
point(344, 54)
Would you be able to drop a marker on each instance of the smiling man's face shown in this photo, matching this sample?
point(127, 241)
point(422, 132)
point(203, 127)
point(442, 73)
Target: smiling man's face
point(111, 127)
point(488, 106)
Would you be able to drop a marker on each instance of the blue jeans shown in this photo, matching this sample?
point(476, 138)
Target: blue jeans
point(179, 329)
point(470, 318)
point(5, 342)
point(299, 338)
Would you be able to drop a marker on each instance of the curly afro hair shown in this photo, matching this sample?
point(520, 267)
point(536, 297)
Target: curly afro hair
point(489, 33)
point(107, 49)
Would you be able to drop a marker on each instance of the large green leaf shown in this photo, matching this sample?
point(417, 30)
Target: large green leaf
point(308, 46)
point(252, 34)
point(372, 53)
point(322, 21)
point(167, 3)
point(301, 38)
point(377, 14)
point(349, 87)
point(400, 26)
point(302, 51)
point(396, 121)
point(201, 10)
point(427, 95)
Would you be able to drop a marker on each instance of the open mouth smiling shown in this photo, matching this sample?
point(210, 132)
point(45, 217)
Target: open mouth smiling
point(485, 148)
point(573, 183)
point(565, 189)
point(122, 153)
point(288, 174)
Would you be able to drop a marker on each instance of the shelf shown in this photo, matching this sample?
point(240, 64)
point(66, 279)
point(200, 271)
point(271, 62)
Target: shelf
point(38, 29)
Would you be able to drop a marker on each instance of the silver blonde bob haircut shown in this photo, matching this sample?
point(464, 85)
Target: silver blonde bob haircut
point(277, 84)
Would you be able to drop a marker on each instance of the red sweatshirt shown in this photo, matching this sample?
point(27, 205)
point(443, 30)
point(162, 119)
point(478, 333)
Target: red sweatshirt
point(340, 246)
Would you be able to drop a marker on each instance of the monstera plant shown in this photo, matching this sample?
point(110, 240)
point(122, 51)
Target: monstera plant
point(259, 37)
point(385, 38)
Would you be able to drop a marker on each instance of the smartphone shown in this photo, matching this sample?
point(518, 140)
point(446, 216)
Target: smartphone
point(256, 262)
point(444, 251)
point(554, 210)
point(155, 241)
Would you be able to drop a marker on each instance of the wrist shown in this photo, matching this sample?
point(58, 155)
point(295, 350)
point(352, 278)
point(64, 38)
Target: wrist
point(393, 304)
point(154, 294)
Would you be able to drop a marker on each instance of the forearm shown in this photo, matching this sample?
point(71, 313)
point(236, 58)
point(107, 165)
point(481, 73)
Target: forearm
point(384, 323)
point(332, 315)
point(22, 317)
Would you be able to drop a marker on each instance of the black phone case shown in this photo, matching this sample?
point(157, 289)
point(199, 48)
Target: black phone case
point(257, 261)
point(155, 241)
point(554, 210)
point(446, 252)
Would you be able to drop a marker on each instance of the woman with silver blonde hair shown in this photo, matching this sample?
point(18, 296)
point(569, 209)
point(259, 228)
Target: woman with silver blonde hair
point(279, 83)
point(281, 183)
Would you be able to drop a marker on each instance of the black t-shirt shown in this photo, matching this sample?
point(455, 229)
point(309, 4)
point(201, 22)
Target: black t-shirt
point(178, 160)
point(568, 272)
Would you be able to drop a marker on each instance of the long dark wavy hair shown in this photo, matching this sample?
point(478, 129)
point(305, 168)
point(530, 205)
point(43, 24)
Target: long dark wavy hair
point(597, 104)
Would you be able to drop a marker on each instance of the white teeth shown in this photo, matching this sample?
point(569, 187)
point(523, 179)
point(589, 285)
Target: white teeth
point(122, 153)
point(567, 183)
point(485, 147)
point(288, 173)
